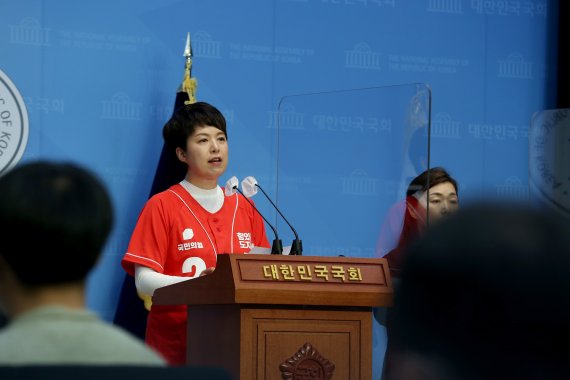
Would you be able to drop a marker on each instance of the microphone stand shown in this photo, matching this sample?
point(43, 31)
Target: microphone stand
point(277, 246)
point(297, 245)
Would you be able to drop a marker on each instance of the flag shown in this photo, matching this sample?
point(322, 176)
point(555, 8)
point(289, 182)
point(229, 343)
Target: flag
point(132, 310)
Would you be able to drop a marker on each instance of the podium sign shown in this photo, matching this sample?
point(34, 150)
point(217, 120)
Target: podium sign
point(284, 317)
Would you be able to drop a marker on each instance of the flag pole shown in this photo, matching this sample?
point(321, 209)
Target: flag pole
point(131, 313)
point(170, 169)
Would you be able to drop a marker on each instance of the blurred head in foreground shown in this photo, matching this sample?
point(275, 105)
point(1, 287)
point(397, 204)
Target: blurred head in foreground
point(55, 219)
point(484, 294)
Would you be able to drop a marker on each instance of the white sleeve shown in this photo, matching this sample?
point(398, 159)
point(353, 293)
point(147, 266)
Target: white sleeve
point(147, 280)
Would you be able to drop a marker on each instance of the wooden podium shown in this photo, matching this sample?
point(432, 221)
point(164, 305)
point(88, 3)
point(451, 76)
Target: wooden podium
point(270, 317)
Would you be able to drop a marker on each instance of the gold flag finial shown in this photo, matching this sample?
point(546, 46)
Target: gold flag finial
point(189, 84)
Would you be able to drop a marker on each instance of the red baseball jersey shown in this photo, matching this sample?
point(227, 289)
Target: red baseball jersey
point(175, 235)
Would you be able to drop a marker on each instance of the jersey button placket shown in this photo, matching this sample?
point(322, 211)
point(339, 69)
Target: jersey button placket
point(216, 224)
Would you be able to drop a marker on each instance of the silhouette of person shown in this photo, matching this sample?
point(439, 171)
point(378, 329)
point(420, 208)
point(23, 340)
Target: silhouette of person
point(55, 219)
point(484, 295)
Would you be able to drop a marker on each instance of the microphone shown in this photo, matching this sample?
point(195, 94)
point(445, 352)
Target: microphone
point(231, 187)
point(250, 186)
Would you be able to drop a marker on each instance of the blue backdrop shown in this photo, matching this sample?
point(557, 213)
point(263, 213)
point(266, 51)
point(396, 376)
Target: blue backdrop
point(99, 81)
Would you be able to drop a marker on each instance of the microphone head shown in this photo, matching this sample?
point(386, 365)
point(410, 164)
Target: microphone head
point(231, 186)
point(248, 186)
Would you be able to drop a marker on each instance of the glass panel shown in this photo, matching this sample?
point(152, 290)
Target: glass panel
point(344, 162)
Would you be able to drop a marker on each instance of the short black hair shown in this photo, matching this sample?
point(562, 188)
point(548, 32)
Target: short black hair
point(54, 219)
point(185, 119)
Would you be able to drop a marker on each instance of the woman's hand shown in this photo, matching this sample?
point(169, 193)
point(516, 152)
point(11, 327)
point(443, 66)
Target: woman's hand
point(207, 271)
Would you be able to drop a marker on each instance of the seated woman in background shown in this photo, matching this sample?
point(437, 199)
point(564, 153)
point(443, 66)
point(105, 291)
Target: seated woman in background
point(423, 207)
point(430, 197)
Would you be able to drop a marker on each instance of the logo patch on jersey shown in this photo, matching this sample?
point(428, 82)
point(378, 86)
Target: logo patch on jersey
point(190, 245)
point(244, 239)
point(187, 234)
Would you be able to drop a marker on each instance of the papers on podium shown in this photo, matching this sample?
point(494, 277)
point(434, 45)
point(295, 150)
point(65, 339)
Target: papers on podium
point(263, 250)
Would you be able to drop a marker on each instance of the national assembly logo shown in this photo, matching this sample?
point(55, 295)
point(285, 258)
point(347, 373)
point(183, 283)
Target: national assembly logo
point(549, 158)
point(14, 125)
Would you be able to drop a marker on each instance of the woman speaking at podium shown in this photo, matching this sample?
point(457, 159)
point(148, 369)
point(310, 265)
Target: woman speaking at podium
point(180, 231)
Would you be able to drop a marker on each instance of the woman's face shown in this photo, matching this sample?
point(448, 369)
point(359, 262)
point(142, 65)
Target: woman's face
point(206, 156)
point(442, 199)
